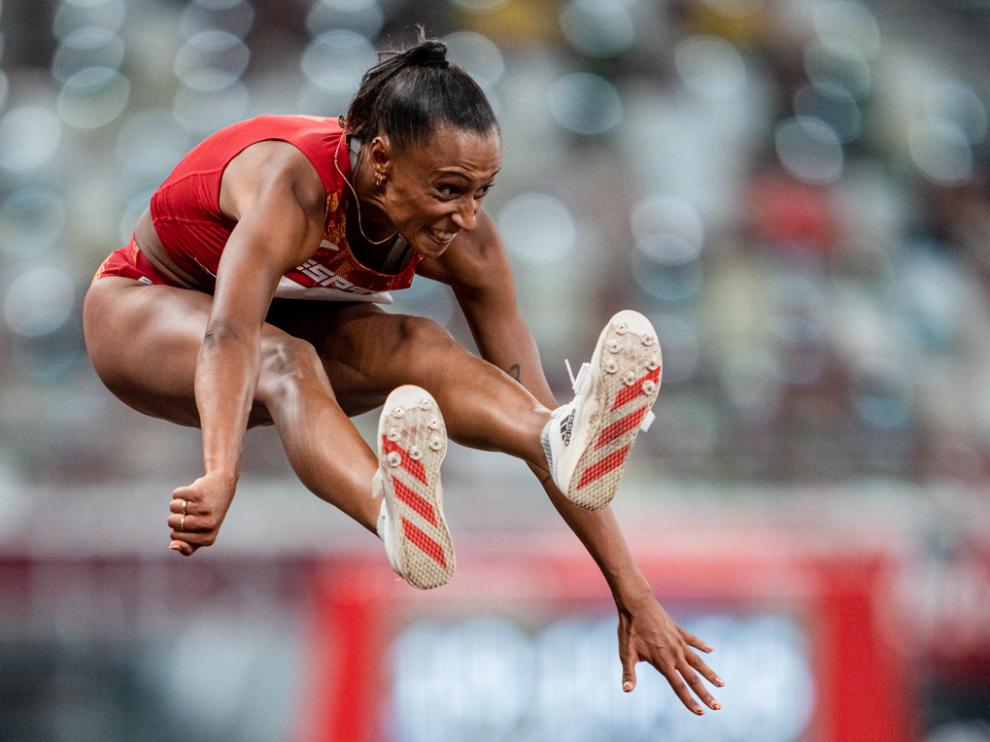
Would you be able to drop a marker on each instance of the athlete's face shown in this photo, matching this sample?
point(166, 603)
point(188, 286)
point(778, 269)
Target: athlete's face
point(434, 190)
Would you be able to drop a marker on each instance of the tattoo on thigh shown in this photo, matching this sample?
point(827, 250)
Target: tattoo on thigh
point(514, 371)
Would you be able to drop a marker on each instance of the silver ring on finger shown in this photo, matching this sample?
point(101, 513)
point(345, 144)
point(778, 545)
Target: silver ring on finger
point(182, 523)
point(185, 504)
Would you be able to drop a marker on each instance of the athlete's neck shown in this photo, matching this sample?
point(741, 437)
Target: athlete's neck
point(374, 223)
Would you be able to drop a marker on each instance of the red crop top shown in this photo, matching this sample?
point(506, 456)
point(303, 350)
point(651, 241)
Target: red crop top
point(186, 212)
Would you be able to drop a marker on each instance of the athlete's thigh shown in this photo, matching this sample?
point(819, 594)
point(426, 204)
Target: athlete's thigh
point(144, 341)
point(362, 347)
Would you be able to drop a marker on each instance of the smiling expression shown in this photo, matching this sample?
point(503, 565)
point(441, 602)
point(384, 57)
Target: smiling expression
point(434, 190)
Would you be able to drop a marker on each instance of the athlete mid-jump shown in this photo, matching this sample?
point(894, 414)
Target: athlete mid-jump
point(248, 296)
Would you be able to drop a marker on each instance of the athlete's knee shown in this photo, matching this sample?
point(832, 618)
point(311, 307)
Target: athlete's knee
point(288, 364)
point(419, 333)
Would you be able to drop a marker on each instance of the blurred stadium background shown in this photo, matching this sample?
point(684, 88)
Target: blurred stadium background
point(796, 191)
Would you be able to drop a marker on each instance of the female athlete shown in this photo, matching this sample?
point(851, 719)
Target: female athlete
point(248, 296)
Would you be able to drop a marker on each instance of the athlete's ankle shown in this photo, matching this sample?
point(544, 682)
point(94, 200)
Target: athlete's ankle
point(372, 510)
point(536, 453)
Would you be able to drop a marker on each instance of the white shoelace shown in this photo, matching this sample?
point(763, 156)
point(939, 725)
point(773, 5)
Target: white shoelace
point(577, 381)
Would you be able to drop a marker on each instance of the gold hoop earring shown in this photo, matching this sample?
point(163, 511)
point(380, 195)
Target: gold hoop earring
point(379, 180)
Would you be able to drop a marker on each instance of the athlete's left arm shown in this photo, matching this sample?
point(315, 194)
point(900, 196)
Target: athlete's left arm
point(477, 268)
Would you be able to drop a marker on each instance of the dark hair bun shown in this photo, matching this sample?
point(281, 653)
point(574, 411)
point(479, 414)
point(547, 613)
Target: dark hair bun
point(410, 91)
point(430, 53)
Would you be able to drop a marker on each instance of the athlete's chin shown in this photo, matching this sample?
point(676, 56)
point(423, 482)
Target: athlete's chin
point(430, 253)
point(430, 246)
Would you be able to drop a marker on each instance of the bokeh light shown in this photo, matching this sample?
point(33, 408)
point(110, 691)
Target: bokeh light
point(941, 152)
point(838, 110)
point(31, 220)
point(211, 61)
point(75, 14)
point(711, 67)
point(39, 301)
point(478, 55)
point(93, 97)
point(842, 22)
point(667, 267)
point(585, 103)
point(809, 149)
point(669, 236)
point(336, 60)
point(598, 28)
point(236, 19)
point(29, 137)
point(956, 104)
point(537, 228)
point(364, 17)
point(664, 213)
point(839, 69)
point(92, 46)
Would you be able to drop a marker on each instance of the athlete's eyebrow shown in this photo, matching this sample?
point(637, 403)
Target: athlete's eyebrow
point(462, 176)
point(454, 174)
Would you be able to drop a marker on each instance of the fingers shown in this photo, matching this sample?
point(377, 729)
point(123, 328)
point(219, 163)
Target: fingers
point(182, 506)
point(196, 512)
point(186, 524)
point(692, 679)
point(628, 658)
point(186, 543)
point(182, 547)
point(189, 531)
point(187, 492)
point(701, 666)
point(681, 689)
point(628, 679)
point(695, 642)
point(683, 680)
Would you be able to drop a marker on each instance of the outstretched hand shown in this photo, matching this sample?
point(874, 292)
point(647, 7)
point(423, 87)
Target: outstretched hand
point(197, 511)
point(648, 633)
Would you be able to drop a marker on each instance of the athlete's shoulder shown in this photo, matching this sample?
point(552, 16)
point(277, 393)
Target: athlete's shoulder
point(267, 166)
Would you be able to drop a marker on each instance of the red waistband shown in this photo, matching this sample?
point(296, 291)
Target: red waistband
point(129, 262)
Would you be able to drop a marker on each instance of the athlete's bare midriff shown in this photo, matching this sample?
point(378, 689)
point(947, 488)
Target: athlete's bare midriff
point(151, 246)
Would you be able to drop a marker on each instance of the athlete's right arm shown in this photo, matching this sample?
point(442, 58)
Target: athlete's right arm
point(278, 203)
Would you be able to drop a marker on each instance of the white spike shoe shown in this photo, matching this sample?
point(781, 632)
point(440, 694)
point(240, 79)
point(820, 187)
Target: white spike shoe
point(588, 439)
point(412, 442)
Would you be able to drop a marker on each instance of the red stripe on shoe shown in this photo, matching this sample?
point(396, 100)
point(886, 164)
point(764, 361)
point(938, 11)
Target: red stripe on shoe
point(424, 543)
point(631, 391)
point(603, 466)
point(620, 426)
point(414, 500)
point(408, 463)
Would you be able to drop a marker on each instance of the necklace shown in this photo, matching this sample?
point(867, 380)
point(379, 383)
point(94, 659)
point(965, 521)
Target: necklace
point(357, 201)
